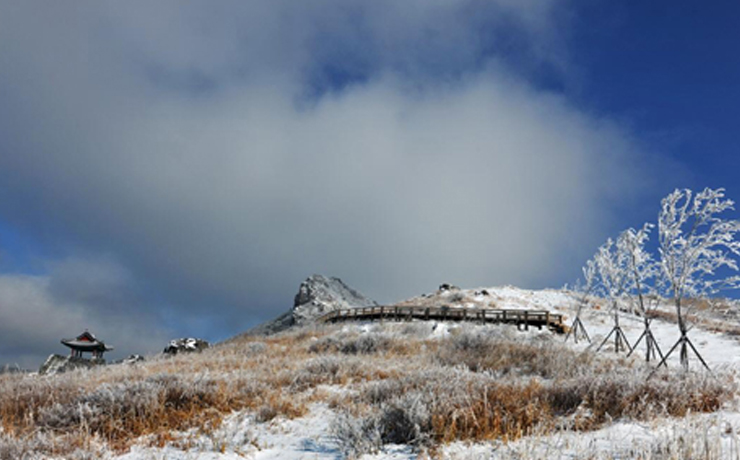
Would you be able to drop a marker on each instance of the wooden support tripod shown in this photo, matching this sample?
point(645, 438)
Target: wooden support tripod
point(620, 340)
point(576, 328)
point(685, 344)
point(652, 345)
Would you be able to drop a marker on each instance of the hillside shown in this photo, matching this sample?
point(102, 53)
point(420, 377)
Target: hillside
point(398, 390)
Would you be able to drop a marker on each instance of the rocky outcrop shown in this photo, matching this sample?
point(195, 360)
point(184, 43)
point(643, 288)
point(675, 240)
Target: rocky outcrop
point(278, 324)
point(444, 287)
point(185, 345)
point(131, 359)
point(56, 364)
point(317, 296)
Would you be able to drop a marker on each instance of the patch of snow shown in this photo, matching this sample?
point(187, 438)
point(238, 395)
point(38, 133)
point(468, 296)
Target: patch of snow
point(717, 432)
point(240, 436)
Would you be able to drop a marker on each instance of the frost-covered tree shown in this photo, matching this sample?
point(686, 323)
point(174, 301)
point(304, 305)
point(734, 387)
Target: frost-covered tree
point(697, 253)
point(611, 264)
point(584, 289)
point(641, 271)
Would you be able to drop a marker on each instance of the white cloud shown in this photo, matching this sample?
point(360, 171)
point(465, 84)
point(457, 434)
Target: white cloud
point(182, 141)
point(38, 311)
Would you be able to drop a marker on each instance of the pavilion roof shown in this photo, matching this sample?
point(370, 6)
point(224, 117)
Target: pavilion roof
point(86, 342)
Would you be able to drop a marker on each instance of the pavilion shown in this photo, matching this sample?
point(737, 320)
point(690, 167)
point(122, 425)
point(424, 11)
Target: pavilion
point(86, 343)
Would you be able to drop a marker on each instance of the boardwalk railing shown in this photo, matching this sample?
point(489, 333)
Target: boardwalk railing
point(522, 318)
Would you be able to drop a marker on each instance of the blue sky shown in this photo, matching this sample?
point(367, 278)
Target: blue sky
point(178, 169)
point(670, 70)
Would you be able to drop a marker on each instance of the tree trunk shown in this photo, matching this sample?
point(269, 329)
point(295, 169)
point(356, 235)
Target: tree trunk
point(648, 339)
point(684, 330)
point(617, 337)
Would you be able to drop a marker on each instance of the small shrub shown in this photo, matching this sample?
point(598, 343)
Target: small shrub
point(406, 420)
point(266, 413)
point(356, 435)
point(13, 449)
point(384, 390)
point(417, 330)
point(255, 348)
point(366, 344)
point(325, 370)
point(492, 351)
point(325, 345)
point(352, 344)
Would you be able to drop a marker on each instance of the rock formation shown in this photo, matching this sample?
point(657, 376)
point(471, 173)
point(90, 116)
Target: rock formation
point(56, 364)
point(131, 359)
point(185, 345)
point(317, 296)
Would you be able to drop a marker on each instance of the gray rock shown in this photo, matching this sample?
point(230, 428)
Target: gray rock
point(185, 345)
point(448, 287)
point(274, 326)
point(131, 359)
point(317, 296)
point(56, 364)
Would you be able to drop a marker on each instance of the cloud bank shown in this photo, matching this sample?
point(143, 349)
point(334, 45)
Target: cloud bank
point(37, 311)
point(221, 154)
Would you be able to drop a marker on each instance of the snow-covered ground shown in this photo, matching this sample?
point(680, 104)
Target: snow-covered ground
point(240, 436)
point(308, 438)
point(718, 350)
point(709, 435)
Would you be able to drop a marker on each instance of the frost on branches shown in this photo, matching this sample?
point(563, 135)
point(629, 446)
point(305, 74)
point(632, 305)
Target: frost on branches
point(611, 264)
point(585, 289)
point(640, 271)
point(695, 244)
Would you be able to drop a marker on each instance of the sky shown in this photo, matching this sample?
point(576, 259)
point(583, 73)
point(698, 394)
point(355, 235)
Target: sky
point(178, 168)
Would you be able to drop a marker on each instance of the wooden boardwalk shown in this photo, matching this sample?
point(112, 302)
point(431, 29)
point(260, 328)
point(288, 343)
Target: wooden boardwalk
point(523, 319)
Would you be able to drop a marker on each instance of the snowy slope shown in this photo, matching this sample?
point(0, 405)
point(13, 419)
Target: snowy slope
point(309, 437)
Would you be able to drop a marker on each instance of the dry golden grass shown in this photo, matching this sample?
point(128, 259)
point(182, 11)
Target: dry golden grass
point(481, 386)
point(478, 383)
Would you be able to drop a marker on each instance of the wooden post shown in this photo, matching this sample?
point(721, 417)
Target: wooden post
point(547, 319)
point(526, 320)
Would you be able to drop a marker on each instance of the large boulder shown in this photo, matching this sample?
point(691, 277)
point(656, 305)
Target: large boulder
point(319, 295)
point(56, 364)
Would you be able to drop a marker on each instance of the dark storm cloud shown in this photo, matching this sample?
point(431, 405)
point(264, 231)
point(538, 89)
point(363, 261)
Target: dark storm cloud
point(223, 153)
